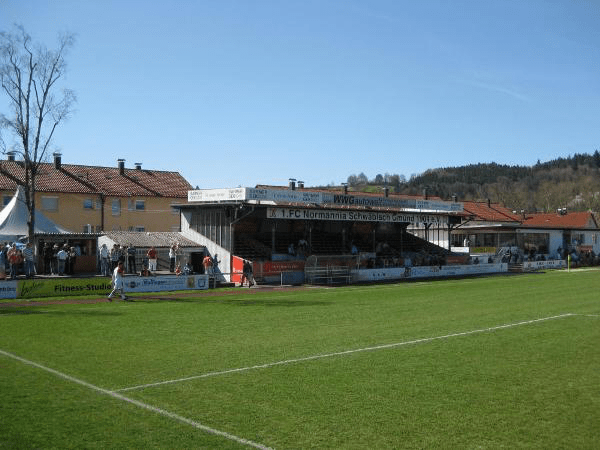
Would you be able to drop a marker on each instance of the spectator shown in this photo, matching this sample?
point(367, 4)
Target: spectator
point(172, 256)
point(28, 257)
point(61, 257)
point(54, 260)
point(71, 260)
point(152, 259)
point(46, 258)
point(2, 263)
point(114, 257)
point(131, 258)
point(13, 260)
point(104, 260)
point(208, 264)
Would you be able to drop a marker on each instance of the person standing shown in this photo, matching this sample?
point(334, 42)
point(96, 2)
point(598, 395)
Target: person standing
point(118, 282)
point(104, 264)
point(151, 259)
point(247, 274)
point(114, 257)
point(2, 263)
point(72, 258)
point(172, 256)
point(13, 260)
point(54, 260)
point(131, 258)
point(208, 264)
point(47, 257)
point(62, 256)
point(28, 256)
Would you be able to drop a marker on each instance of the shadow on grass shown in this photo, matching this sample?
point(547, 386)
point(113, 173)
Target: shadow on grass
point(243, 302)
point(57, 312)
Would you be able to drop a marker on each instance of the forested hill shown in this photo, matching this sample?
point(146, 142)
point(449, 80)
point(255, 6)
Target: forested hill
point(572, 182)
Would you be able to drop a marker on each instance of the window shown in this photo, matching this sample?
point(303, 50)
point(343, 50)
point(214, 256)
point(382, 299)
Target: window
point(139, 228)
point(116, 207)
point(136, 205)
point(88, 203)
point(50, 203)
point(534, 242)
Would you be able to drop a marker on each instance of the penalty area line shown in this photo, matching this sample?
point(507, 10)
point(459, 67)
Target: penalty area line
point(137, 403)
point(342, 353)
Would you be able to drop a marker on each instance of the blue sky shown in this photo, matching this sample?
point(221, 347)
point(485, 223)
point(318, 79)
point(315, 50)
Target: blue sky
point(244, 92)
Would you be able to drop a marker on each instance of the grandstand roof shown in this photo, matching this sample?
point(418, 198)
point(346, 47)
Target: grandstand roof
point(110, 181)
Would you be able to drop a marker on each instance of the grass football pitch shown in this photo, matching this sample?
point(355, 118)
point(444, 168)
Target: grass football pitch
point(495, 362)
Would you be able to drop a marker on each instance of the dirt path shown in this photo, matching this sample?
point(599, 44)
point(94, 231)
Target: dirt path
point(154, 296)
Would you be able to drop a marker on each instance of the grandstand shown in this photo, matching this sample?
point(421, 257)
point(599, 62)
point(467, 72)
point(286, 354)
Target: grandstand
point(283, 231)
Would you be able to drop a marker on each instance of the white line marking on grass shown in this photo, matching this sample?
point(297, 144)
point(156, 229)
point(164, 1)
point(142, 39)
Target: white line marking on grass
point(342, 353)
point(139, 404)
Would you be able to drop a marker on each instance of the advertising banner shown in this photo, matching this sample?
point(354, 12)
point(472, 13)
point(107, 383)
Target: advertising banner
point(354, 216)
point(59, 287)
point(550, 264)
point(8, 289)
point(166, 283)
point(397, 273)
point(319, 198)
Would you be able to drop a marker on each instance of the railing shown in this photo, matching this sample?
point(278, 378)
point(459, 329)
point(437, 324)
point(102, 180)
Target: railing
point(328, 275)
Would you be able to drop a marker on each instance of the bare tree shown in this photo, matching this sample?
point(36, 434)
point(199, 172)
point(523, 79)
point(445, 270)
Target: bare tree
point(29, 74)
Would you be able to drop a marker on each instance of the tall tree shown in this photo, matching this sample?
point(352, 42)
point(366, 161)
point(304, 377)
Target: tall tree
point(29, 74)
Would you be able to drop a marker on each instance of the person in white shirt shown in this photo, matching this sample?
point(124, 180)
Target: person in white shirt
point(118, 282)
point(62, 256)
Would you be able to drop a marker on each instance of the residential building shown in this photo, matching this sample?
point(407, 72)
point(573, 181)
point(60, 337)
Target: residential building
point(92, 199)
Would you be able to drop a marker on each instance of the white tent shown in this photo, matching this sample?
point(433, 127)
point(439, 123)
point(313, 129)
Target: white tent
point(13, 220)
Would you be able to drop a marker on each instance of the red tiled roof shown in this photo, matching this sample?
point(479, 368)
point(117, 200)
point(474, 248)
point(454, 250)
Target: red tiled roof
point(490, 212)
point(575, 220)
point(71, 178)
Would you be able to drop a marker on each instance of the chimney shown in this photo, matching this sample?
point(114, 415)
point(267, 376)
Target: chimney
point(425, 194)
point(57, 160)
point(121, 165)
point(386, 191)
point(292, 184)
point(300, 184)
point(455, 198)
point(138, 166)
point(10, 156)
point(345, 188)
point(489, 202)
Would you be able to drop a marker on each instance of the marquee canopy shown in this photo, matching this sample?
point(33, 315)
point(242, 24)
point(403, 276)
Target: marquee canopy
point(13, 220)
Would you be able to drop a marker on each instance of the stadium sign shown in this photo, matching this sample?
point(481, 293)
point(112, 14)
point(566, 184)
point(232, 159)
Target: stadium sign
point(354, 216)
point(318, 198)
